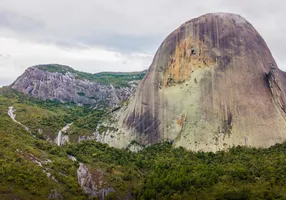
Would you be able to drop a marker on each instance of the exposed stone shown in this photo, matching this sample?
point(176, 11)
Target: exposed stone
point(93, 183)
point(62, 138)
point(54, 194)
point(135, 148)
point(213, 84)
point(68, 88)
point(85, 138)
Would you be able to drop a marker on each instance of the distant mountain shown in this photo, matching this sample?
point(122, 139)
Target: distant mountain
point(213, 84)
point(65, 84)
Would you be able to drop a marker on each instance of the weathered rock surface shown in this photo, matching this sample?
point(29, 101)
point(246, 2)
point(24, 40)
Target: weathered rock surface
point(213, 84)
point(54, 194)
point(62, 137)
point(93, 182)
point(68, 87)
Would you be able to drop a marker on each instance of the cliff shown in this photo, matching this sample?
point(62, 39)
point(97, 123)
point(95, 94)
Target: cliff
point(213, 84)
point(68, 85)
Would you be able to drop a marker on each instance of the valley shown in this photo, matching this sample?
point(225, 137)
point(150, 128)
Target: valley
point(205, 121)
point(76, 170)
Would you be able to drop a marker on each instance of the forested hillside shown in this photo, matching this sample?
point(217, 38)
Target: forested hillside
point(160, 171)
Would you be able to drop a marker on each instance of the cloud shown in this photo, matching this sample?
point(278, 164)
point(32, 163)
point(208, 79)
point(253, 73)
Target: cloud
point(88, 59)
point(19, 23)
point(77, 32)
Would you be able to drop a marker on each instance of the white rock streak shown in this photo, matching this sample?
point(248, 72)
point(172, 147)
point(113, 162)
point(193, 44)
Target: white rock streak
point(72, 158)
point(87, 182)
point(60, 140)
point(11, 113)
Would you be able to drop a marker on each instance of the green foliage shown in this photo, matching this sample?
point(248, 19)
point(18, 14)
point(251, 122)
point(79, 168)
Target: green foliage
point(81, 94)
point(63, 69)
point(50, 116)
point(164, 172)
point(157, 172)
point(21, 176)
point(118, 79)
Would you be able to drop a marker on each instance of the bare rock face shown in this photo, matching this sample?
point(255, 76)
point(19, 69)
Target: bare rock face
point(213, 84)
point(93, 182)
point(68, 87)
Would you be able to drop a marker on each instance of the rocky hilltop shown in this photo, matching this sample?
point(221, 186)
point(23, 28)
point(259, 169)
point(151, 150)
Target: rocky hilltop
point(213, 84)
point(68, 85)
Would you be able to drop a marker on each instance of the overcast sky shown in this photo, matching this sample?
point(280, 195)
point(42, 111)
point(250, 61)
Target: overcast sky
point(114, 35)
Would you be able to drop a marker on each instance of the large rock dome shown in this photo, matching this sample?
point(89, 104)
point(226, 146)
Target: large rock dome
point(213, 84)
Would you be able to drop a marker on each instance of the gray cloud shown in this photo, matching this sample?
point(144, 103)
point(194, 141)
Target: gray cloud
point(18, 23)
point(129, 26)
point(110, 22)
point(124, 43)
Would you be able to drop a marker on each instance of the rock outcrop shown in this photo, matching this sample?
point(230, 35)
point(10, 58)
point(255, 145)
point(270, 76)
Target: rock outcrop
point(213, 84)
point(67, 85)
point(93, 183)
point(62, 137)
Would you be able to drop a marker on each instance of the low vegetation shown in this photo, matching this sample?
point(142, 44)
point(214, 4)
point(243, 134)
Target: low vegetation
point(50, 116)
point(160, 171)
point(25, 162)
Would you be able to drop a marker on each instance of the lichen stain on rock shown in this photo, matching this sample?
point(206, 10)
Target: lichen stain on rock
point(272, 78)
point(189, 55)
point(181, 120)
point(215, 69)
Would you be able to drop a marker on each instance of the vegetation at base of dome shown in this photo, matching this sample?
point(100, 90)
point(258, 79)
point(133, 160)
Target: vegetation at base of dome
point(160, 171)
point(163, 172)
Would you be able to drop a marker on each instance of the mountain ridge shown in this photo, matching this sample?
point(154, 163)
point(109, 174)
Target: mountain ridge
point(200, 82)
point(53, 81)
point(66, 68)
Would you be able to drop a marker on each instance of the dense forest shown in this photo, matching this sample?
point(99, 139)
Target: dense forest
point(160, 171)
